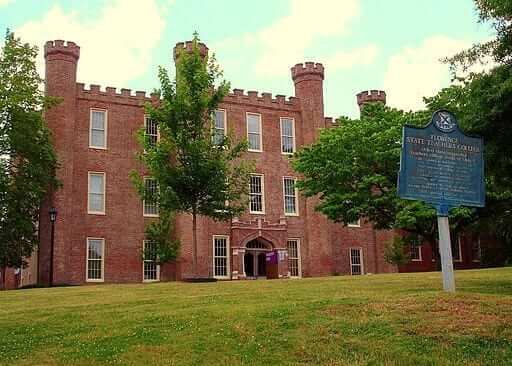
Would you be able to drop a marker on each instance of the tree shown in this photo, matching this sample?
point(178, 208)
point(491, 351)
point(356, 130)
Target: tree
point(197, 172)
point(27, 159)
point(353, 168)
point(483, 103)
point(499, 14)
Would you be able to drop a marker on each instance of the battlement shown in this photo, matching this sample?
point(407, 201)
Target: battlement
point(62, 47)
point(264, 99)
point(95, 90)
point(370, 96)
point(307, 68)
point(188, 47)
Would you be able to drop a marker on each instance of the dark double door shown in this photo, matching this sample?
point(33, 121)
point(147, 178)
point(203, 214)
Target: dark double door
point(255, 264)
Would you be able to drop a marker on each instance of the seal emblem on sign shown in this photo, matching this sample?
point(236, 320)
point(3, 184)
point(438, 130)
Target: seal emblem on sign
point(444, 121)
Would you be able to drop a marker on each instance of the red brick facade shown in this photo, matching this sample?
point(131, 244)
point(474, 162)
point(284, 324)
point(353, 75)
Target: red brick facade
point(324, 246)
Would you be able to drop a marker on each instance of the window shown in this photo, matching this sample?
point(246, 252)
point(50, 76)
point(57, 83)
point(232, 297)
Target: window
point(151, 130)
point(254, 131)
point(476, 249)
point(98, 129)
point(290, 196)
point(219, 127)
point(95, 255)
point(356, 223)
point(96, 199)
point(294, 257)
point(220, 256)
point(356, 261)
point(456, 252)
point(256, 194)
point(416, 253)
point(287, 135)
point(150, 205)
point(151, 269)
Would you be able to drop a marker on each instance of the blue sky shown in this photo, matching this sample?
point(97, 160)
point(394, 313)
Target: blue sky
point(393, 45)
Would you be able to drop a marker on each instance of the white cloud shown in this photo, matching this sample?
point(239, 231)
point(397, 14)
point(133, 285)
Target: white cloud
point(416, 72)
point(282, 44)
point(115, 45)
point(5, 2)
point(343, 60)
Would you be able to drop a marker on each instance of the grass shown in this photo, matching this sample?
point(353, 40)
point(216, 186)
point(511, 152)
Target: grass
point(395, 319)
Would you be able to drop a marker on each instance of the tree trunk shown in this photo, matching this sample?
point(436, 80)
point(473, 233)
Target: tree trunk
point(194, 244)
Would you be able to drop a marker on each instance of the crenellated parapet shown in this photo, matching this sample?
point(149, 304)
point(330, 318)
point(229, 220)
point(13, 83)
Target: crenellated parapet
point(188, 47)
point(264, 99)
point(309, 70)
point(371, 96)
point(122, 95)
point(63, 48)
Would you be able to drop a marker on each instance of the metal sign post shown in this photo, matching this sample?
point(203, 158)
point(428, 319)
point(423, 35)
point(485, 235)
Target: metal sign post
point(445, 249)
point(443, 167)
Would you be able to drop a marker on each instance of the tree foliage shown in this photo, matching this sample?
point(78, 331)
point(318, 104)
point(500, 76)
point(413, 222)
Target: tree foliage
point(27, 158)
point(353, 168)
point(196, 173)
point(497, 13)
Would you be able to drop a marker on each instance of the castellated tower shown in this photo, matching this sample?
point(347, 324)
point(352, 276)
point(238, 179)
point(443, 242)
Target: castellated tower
point(309, 79)
point(61, 64)
point(187, 47)
point(371, 96)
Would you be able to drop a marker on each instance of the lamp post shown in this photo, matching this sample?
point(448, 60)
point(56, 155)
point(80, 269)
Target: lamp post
point(53, 217)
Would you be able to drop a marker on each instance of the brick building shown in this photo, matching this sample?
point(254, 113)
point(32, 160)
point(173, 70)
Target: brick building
point(99, 232)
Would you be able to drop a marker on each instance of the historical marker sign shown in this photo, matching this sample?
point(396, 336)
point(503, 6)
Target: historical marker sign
point(443, 167)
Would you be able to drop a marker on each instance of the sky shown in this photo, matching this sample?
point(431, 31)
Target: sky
point(392, 45)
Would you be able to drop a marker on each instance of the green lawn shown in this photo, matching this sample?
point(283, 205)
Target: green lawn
point(396, 319)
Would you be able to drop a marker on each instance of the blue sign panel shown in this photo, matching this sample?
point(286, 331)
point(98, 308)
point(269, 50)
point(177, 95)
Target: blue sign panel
point(441, 166)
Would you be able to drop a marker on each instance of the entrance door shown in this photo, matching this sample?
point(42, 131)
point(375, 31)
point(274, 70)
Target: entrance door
point(262, 264)
point(249, 264)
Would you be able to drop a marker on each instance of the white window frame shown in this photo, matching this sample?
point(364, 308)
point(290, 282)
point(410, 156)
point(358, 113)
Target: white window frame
point(355, 224)
point(420, 254)
point(228, 256)
point(89, 193)
point(293, 134)
point(262, 195)
point(361, 256)
point(144, 214)
point(296, 213)
point(146, 117)
point(299, 258)
point(87, 279)
point(105, 112)
point(144, 260)
point(225, 121)
point(459, 260)
point(247, 130)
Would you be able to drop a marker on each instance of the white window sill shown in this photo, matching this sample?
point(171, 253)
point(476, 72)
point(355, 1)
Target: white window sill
point(256, 213)
point(96, 213)
point(97, 148)
point(95, 281)
point(251, 150)
point(291, 214)
point(150, 215)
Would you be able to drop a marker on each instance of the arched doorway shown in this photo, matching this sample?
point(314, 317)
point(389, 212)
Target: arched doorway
point(255, 258)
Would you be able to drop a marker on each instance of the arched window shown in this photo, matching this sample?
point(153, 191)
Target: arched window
point(256, 244)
